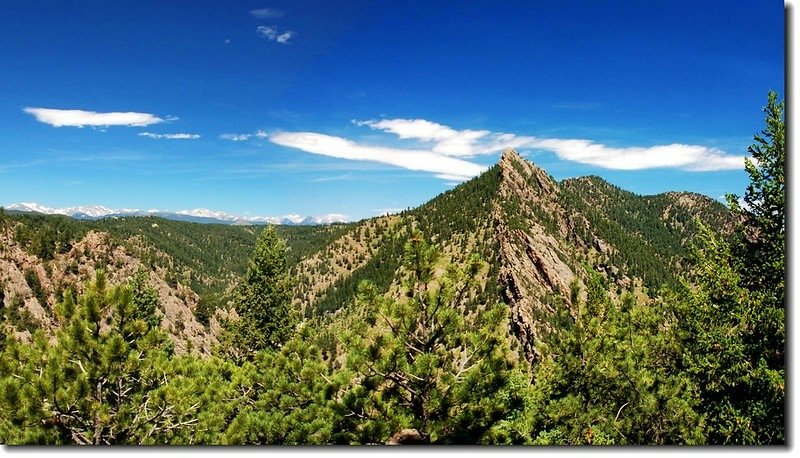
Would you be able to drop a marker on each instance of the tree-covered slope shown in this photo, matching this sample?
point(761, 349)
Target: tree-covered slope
point(536, 235)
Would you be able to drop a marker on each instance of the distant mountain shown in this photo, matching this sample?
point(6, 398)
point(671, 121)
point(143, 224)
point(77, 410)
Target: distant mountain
point(197, 215)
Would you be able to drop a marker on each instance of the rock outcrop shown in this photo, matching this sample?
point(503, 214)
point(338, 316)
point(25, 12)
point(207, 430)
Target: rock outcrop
point(77, 266)
point(532, 264)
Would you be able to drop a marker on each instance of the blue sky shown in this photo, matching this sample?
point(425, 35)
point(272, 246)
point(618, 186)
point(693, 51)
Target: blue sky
point(279, 107)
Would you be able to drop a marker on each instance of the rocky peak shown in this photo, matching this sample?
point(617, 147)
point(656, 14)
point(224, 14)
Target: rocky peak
point(534, 259)
point(510, 154)
point(522, 173)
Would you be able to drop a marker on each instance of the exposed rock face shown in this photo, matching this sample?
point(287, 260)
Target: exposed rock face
point(79, 265)
point(531, 264)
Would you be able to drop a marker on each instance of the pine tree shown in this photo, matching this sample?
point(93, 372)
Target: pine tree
point(608, 377)
point(423, 363)
point(291, 397)
point(762, 242)
point(103, 380)
point(733, 315)
point(263, 301)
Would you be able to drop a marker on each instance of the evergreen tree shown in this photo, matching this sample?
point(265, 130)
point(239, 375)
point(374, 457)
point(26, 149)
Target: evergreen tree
point(608, 376)
point(263, 301)
point(422, 363)
point(145, 298)
point(733, 315)
point(102, 380)
point(762, 242)
point(291, 397)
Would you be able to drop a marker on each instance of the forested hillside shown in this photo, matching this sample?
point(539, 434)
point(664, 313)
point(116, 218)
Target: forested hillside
point(512, 309)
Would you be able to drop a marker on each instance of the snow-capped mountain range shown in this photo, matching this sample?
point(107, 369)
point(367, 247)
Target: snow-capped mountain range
point(199, 215)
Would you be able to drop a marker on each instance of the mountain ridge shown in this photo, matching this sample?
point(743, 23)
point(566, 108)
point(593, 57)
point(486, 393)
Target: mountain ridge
point(541, 239)
point(198, 215)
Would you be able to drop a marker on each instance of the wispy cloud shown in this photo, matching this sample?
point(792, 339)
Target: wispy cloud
point(442, 150)
point(235, 137)
point(244, 137)
point(446, 140)
point(80, 118)
point(272, 33)
point(266, 13)
point(107, 157)
point(5, 166)
point(467, 143)
point(170, 136)
point(411, 159)
point(343, 177)
point(693, 158)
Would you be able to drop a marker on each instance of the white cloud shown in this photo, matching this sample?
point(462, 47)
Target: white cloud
point(266, 13)
point(170, 136)
point(694, 158)
point(284, 37)
point(235, 137)
point(244, 137)
point(273, 34)
point(445, 149)
point(80, 118)
point(447, 141)
point(419, 160)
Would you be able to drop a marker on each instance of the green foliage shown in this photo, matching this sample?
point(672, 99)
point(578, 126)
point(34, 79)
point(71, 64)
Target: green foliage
point(462, 209)
point(292, 398)
point(380, 270)
point(421, 363)
point(100, 381)
point(304, 241)
point(735, 340)
point(730, 334)
point(733, 314)
point(761, 245)
point(18, 316)
point(145, 298)
point(646, 243)
point(608, 375)
point(207, 306)
point(45, 236)
point(263, 302)
point(35, 284)
point(213, 255)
